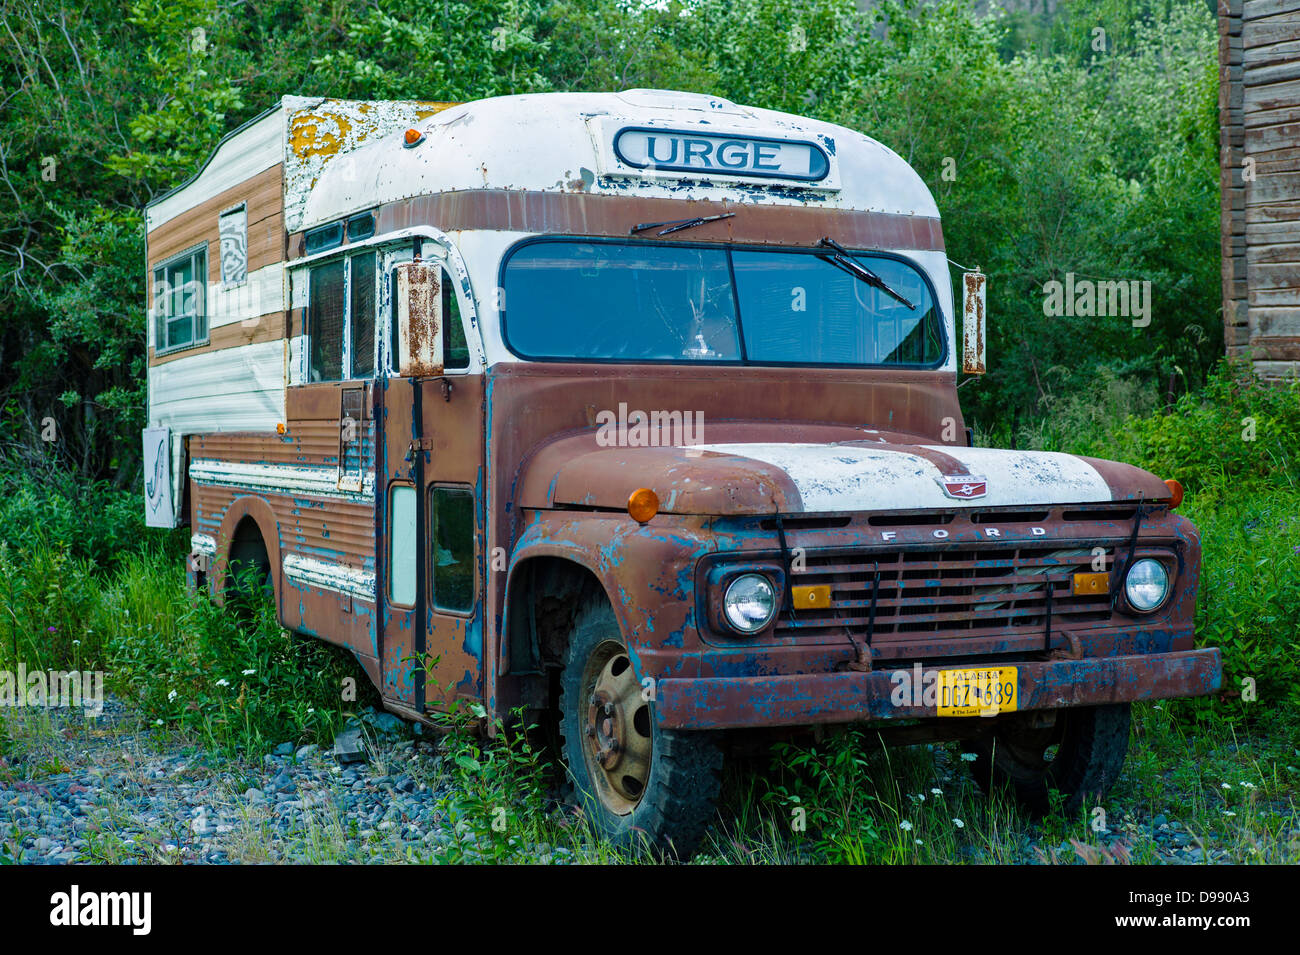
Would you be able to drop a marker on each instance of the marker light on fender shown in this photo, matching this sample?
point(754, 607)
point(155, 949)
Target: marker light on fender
point(1175, 493)
point(412, 137)
point(642, 504)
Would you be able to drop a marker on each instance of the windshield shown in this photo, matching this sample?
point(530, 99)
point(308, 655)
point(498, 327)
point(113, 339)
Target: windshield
point(636, 301)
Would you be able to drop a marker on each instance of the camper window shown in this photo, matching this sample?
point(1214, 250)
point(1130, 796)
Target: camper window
point(180, 286)
point(341, 319)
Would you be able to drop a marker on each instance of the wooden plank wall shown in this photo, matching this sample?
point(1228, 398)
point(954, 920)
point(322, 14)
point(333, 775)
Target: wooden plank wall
point(1259, 109)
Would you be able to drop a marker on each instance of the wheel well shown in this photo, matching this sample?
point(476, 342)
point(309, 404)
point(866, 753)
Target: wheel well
point(247, 548)
point(546, 594)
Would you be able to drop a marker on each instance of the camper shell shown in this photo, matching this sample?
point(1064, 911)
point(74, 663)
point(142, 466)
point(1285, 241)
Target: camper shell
point(376, 375)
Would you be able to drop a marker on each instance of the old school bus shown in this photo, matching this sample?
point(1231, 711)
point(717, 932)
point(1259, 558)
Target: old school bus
point(638, 410)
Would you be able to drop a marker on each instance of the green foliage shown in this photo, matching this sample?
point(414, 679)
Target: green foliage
point(237, 680)
point(1236, 436)
point(1249, 601)
point(1044, 164)
point(848, 799)
point(87, 520)
point(496, 802)
point(826, 788)
point(83, 588)
point(185, 107)
point(1235, 447)
point(1045, 153)
point(467, 51)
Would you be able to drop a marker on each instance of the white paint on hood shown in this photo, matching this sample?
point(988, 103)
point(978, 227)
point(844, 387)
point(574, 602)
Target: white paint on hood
point(834, 477)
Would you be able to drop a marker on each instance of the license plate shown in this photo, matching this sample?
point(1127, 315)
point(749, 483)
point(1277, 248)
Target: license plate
point(978, 692)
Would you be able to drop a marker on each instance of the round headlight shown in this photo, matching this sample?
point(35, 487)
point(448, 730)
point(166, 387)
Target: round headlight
point(749, 603)
point(1147, 585)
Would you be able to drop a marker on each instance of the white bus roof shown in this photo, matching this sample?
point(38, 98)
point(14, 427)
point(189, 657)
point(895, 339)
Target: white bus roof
point(591, 143)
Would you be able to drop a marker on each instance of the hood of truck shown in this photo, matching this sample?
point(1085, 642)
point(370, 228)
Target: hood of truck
point(814, 478)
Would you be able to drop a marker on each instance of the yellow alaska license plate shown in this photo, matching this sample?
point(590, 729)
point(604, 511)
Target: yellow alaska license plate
point(978, 692)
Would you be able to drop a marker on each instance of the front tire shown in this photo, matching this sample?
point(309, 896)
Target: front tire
point(639, 785)
point(1090, 745)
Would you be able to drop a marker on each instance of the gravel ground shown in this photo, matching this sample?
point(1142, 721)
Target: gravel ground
point(116, 790)
point(113, 790)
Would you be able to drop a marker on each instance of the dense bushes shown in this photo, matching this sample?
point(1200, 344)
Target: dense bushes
point(1235, 446)
point(1239, 434)
point(1050, 149)
point(1249, 601)
point(51, 505)
point(85, 586)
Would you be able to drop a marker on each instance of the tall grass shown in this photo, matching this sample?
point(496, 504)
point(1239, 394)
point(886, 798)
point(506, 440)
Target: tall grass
point(70, 601)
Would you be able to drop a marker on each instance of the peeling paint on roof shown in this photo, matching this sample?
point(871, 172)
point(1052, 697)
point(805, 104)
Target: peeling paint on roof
point(319, 131)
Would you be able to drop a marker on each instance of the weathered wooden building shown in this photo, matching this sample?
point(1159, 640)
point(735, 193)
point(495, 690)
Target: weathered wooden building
point(1259, 107)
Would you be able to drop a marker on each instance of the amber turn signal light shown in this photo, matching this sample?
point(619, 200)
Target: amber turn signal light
point(412, 137)
point(1175, 492)
point(642, 504)
point(811, 596)
point(1089, 585)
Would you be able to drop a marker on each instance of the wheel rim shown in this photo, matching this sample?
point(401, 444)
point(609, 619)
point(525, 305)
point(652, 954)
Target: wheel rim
point(617, 744)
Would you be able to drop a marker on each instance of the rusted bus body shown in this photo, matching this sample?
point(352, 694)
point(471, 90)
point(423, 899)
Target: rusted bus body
point(316, 517)
point(446, 489)
point(937, 561)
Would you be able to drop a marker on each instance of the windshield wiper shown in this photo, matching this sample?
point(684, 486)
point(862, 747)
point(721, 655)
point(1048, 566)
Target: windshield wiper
point(844, 259)
point(677, 225)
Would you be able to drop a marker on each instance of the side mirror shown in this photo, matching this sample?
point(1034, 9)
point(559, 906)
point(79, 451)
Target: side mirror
point(972, 326)
point(417, 319)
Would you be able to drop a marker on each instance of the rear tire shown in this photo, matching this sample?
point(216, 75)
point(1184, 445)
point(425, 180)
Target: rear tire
point(639, 785)
point(1091, 743)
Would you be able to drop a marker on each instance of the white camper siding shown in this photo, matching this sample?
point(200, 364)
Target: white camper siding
point(261, 294)
point(252, 150)
point(234, 379)
point(230, 389)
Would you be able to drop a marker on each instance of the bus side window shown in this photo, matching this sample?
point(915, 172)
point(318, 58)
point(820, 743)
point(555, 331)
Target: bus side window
point(361, 314)
point(455, 349)
point(452, 514)
point(325, 322)
point(341, 319)
point(401, 545)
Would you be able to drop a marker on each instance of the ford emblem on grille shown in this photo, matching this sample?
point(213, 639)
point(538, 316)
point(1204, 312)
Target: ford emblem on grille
point(964, 486)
